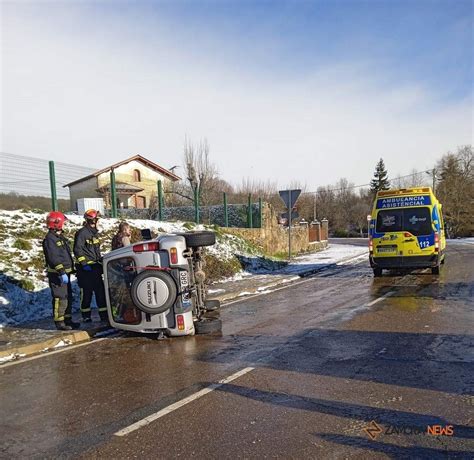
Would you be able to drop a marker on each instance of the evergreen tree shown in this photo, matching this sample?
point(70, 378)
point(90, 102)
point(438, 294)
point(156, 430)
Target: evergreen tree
point(380, 180)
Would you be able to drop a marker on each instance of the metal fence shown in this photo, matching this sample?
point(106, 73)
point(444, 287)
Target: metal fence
point(42, 178)
point(30, 176)
point(237, 214)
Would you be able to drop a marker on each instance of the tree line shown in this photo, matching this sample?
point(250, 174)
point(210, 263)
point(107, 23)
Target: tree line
point(344, 204)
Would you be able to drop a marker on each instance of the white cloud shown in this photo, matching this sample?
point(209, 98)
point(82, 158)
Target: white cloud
point(91, 97)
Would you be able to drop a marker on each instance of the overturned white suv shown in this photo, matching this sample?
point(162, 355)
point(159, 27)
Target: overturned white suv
point(157, 286)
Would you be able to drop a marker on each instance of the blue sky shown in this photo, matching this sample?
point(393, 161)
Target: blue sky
point(308, 91)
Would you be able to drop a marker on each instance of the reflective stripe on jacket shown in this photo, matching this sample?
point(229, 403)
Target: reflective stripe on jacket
point(57, 253)
point(87, 246)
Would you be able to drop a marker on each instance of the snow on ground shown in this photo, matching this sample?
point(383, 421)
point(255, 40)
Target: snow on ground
point(11, 357)
point(335, 254)
point(24, 292)
point(461, 240)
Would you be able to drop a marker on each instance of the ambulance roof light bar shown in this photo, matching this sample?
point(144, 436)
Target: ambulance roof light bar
point(404, 191)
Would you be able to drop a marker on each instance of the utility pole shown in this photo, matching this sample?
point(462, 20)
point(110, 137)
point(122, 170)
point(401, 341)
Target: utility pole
point(52, 183)
point(314, 207)
point(432, 173)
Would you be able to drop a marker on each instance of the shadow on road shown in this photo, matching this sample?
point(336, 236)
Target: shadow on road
point(384, 417)
point(393, 450)
point(440, 362)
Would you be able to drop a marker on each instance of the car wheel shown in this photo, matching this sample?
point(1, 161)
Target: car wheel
point(212, 305)
point(198, 239)
point(153, 292)
point(435, 270)
point(208, 325)
point(377, 272)
point(443, 260)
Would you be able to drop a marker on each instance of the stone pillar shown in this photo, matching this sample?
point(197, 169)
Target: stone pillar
point(324, 229)
point(315, 231)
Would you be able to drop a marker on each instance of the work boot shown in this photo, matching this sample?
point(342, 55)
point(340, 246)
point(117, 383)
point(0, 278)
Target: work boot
point(62, 326)
point(73, 324)
point(105, 319)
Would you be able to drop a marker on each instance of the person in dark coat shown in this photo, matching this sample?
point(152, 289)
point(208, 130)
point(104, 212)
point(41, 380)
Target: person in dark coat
point(59, 266)
point(89, 266)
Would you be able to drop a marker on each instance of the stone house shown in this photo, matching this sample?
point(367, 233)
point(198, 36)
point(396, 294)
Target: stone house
point(135, 183)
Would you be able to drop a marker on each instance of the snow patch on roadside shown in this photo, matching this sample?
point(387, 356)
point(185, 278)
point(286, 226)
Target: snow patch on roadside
point(11, 357)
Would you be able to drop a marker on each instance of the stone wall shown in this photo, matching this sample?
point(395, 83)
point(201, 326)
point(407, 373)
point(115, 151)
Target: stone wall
point(273, 238)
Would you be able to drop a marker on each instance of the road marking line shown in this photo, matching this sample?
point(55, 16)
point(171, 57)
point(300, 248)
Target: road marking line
point(161, 413)
point(52, 352)
point(378, 299)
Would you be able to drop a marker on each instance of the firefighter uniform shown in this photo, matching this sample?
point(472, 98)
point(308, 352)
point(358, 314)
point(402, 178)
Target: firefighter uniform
point(89, 271)
point(59, 261)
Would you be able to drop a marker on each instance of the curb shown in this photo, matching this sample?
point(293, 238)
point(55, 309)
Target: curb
point(49, 344)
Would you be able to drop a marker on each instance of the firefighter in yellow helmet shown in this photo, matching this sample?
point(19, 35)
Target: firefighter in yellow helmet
point(59, 265)
point(89, 266)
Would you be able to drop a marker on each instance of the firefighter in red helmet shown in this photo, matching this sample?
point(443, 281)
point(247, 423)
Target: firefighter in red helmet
point(59, 266)
point(89, 266)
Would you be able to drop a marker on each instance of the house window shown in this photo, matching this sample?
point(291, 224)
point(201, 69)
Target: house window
point(136, 175)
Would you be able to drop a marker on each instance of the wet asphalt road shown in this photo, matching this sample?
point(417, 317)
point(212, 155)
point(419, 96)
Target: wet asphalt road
point(330, 355)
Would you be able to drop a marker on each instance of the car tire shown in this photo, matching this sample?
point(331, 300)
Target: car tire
point(212, 305)
point(199, 239)
point(153, 292)
point(435, 270)
point(208, 325)
point(377, 272)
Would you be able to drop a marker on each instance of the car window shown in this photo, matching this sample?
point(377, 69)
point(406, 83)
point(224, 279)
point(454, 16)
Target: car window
point(417, 221)
point(120, 274)
point(389, 220)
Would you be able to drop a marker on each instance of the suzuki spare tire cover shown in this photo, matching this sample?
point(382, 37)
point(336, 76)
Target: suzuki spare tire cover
point(153, 291)
point(197, 239)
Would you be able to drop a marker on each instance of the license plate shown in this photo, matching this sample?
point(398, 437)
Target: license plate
point(389, 249)
point(184, 283)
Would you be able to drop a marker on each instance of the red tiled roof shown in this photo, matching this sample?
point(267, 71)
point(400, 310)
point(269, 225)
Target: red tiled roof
point(139, 158)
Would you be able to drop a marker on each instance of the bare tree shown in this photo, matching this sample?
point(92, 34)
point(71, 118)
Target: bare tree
point(202, 177)
point(415, 179)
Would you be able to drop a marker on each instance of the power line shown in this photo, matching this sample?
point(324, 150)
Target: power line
point(23, 181)
point(362, 185)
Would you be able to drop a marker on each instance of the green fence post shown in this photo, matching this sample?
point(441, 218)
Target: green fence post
point(260, 211)
point(196, 204)
point(52, 182)
point(249, 212)
point(160, 200)
point(113, 194)
point(226, 211)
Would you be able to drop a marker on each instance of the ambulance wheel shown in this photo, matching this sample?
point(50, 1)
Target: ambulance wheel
point(198, 239)
point(208, 325)
point(212, 305)
point(153, 292)
point(377, 272)
point(435, 270)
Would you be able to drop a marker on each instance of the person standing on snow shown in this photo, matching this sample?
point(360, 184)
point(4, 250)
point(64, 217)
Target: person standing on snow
point(89, 267)
point(59, 266)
